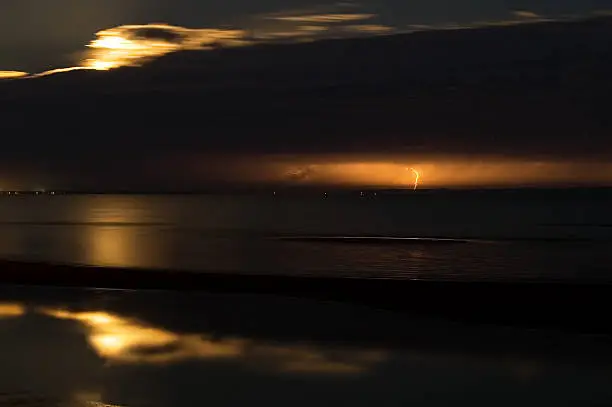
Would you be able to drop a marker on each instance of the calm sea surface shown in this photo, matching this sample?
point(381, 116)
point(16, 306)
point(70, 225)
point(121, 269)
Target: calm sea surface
point(553, 234)
point(86, 347)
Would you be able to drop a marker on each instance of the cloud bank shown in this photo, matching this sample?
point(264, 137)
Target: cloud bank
point(137, 44)
point(494, 109)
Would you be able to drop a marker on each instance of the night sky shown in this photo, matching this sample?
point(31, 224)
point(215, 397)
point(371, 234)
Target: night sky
point(514, 105)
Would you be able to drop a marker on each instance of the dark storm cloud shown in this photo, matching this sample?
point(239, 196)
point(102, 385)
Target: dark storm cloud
point(528, 92)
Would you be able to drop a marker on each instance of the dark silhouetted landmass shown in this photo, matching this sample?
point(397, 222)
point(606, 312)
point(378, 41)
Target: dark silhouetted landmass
point(533, 304)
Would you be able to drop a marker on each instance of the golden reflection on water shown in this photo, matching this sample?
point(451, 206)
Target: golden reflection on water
point(111, 246)
point(119, 233)
point(124, 246)
point(127, 342)
point(113, 210)
point(305, 359)
point(123, 340)
point(8, 310)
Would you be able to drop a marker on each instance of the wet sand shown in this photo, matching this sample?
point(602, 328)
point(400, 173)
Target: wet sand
point(176, 348)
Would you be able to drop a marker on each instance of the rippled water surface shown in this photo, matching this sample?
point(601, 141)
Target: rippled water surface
point(561, 234)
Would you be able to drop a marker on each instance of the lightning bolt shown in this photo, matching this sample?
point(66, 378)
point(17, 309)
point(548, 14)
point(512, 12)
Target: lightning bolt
point(417, 176)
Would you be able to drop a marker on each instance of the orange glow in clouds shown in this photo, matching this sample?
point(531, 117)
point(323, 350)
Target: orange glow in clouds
point(441, 173)
point(389, 172)
point(133, 45)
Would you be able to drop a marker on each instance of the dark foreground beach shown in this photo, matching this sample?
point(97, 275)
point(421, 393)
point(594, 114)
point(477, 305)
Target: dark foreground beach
point(162, 348)
point(579, 307)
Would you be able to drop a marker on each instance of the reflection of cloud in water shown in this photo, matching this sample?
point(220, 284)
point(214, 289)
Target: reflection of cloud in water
point(8, 310)
point(44, 361)
point(127, 341)
point(424, 355)
point(304, 359)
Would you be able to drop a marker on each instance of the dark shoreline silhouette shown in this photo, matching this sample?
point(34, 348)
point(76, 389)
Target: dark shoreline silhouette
point(579, 307)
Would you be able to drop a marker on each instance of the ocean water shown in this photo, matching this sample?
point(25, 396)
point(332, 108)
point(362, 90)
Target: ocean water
point(84, 347)
point(468, 235)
